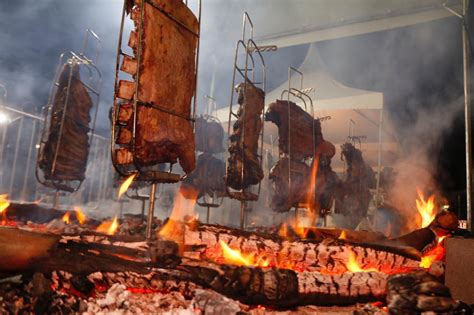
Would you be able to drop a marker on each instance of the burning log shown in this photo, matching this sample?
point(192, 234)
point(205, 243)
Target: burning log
point(285, 288)
point(329, 256)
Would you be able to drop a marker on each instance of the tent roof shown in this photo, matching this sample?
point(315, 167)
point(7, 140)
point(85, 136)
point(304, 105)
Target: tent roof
point(307, 21)
point(325, 91)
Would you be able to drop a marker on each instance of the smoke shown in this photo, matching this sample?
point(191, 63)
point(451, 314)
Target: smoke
point(417, 167)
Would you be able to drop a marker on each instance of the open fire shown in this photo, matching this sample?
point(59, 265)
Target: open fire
point(426, 208)
point(108, 227)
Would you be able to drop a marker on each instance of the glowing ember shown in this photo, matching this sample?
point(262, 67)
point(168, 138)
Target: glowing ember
point(425, 208)
point(80, 216)
point(353, 266)
point(108, 227)
point(4, 203)
point(434, 254)
point(66, 218)
point(235, 257)
point(126, 184)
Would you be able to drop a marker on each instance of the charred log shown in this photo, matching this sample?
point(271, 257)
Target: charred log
point(418, 292)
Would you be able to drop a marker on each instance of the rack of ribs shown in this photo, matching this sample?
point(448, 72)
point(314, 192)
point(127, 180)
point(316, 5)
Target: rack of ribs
point(158, 101)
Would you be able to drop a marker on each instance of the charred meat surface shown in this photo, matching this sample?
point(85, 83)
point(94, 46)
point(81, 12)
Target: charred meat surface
point(287, 193)
point(164, 131)
point(298, 131)
point(355, 197)
point(68, 140)
point(243, 169)
point(207, 177)
point(209, 136)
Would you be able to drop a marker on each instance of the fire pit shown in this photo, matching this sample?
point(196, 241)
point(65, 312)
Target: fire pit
point(77, 264)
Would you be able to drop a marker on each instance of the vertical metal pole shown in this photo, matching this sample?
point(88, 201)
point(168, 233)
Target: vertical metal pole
point(56, 200)
point(467, 114)
point(28, 161)
point(379, 160)
point(151, 210)
point(242, 214)
point(15, 157)
point(143, 209)
point(208, 214)
point(2, 152)
point(121, 210)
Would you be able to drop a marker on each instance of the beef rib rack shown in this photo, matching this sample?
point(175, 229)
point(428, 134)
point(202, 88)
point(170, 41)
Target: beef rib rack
point(164, 68)
point(244, 167)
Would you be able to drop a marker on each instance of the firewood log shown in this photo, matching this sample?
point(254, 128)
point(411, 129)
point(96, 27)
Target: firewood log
point(329, 255)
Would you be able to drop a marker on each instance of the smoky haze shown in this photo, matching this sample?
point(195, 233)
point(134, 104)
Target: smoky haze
point(418, 68)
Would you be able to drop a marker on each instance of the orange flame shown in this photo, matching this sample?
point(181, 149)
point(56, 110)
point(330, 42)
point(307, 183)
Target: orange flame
point(108, 227)
point(80, 216)
point(312, 188)
point(425, 208)
point(235, 257)
point(126, 184)
point(353, 266)
point(434, 254)
point(343, 235)
point(66, 218)
point(283, 231)
point(183, 207)
point(4, 202)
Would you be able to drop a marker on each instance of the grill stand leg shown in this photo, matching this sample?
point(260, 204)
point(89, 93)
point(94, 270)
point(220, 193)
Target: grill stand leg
point(208, 214)
point(242, 215)
point(143, 209)
point(151, 210)
point(56, 200)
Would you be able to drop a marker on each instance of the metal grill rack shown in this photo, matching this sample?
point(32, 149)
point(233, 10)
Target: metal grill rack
point(247, 73)
point(307, 101)
point(87, 66)
point(216, 200)
point(150, 175)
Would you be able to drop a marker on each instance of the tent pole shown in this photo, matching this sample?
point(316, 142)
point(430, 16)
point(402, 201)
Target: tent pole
point(379, 160)
point(467, 114)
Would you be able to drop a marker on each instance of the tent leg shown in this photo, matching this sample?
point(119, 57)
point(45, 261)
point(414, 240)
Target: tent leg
point(467, 115)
